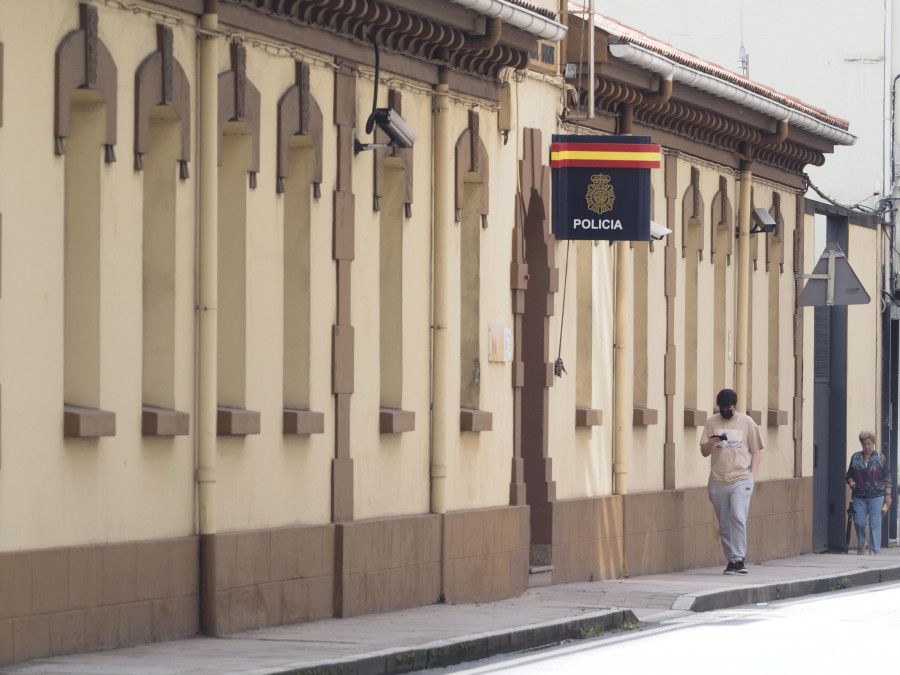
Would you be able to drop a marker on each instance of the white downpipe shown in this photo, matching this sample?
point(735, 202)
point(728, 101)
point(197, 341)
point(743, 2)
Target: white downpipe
point(887, 181)
point(651, 61)
point(518, 17)
point(593, 58)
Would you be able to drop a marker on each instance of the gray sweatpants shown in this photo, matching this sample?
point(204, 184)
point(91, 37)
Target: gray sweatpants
point(732, 503)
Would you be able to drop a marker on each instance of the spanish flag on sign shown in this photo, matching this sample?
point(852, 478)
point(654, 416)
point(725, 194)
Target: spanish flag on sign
point(608, 155)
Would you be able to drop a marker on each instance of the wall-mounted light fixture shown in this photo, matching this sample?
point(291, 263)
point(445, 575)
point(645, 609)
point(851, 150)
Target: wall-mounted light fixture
point(763, 223)
point(388, 120)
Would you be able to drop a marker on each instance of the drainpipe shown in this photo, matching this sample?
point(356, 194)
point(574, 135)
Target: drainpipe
point(623, 368)
point(775, 139)
point(208, 306)
point(655, 98)
point(480, 43)
point(743, 284)
point(442, 218)
point(592, 86)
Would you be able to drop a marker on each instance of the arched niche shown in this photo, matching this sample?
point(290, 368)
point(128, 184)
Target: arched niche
point(775, 239)
point(160, 80)
point(298, 113)
point(84, 62)
point(722, 220)
point(692, 215)
point(239, 101)
point(471, 156)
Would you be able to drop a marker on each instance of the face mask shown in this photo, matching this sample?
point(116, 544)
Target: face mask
point(727, 414)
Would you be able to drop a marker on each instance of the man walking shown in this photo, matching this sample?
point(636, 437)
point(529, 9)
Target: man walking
point(733, 441)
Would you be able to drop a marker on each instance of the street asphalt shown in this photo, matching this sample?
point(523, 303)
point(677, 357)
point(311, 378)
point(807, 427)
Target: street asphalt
point(447, 634)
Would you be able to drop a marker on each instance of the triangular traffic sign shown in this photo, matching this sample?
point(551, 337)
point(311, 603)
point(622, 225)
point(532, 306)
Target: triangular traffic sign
point(833, 281)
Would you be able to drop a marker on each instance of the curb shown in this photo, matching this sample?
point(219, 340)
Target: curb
point(470, 647)
point(706, 601)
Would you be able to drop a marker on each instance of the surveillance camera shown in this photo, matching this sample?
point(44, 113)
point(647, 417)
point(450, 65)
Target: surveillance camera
point(762, 221)
point(400, 133)
point(658, 231)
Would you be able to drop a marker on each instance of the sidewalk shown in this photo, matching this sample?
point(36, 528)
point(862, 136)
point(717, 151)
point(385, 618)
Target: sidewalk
point(441, 635)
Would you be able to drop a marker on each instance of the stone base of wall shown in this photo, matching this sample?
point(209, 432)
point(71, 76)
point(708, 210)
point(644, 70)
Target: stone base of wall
point(486, 554)
point(68, 600)
point(386, 564)
point(271, 577)
point(63, 601)
point(587, 539)
point(658, 532)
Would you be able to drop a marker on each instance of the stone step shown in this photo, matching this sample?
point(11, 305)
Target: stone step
point(540, 575)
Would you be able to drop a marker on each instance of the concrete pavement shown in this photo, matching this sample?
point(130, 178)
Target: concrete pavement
point(445, 634)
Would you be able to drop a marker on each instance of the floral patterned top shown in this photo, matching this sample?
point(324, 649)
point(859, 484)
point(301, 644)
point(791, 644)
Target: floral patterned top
point(872, 477)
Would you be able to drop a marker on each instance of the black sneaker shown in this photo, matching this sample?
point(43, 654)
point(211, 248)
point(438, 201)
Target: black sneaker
point(739, 567)
point(731, 569)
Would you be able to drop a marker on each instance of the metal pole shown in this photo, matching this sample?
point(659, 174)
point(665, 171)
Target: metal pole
point(592, 57)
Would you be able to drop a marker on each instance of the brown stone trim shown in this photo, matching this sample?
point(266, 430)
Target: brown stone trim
point(537, 307)
point(299, 113)
point(472, 156)
point(237, 421)
point(84, 62)
point(160, 80)
point(777, 418)
point(164, 422)
point(694, 418)
point(475, 420)
point(239, 101)
point(393, 421)
point(1, 84)
point(342, 489)
point(1, 249)
point(530, 175)
point(670, 366)
point(302, 422)
point(755, 415)
point(587, 417)
point(343, 244)
point(342, 363)
point(644, 417)
point(81, 422)
point(342, 341)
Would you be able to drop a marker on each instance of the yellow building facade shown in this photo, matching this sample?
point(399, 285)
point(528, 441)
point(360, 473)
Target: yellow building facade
point(253, 373)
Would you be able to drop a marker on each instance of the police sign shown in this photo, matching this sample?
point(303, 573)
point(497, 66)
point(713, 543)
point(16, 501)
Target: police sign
point(601, 186)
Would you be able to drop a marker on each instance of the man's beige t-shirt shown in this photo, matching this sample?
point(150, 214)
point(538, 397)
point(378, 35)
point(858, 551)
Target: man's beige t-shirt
point(730, 459)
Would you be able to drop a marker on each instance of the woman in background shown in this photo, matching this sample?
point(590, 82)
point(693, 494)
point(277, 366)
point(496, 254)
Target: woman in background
point(869, 477)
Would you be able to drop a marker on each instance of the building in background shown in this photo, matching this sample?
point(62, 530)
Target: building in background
point(280, 306)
